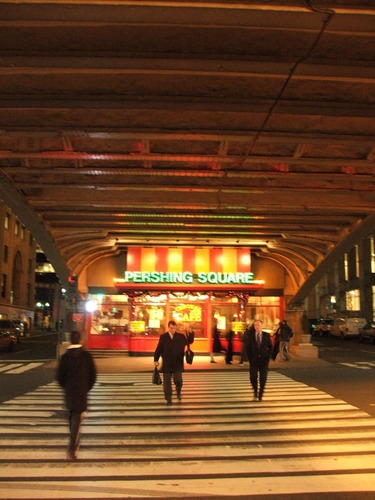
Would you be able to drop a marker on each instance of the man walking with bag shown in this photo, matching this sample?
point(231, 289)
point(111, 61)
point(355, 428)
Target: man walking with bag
point(171, 348)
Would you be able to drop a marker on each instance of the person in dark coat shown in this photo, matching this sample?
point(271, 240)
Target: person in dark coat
point(217, 348)
point(245, 341)
point(259, 352)
point(283, 334)
point(76, 374)
point(171, 348)
point(229, 354)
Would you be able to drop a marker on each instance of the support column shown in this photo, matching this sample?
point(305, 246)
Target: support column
point(300, 344)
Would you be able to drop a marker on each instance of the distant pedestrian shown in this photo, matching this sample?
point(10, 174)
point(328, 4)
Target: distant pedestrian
point(76, 374)
point(245, 342)
point(217, 347)
point(259, 350)
point(171, 348)
point(284, 333)
point(229, 354)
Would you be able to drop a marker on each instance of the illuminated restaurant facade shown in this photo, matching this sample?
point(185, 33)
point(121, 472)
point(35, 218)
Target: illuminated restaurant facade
point(196, 287)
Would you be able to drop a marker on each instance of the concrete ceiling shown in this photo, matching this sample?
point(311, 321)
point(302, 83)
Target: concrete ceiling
point(190, 123)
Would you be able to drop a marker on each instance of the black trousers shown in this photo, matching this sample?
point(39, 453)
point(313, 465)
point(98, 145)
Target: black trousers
point(167, 383)
point(75, 420)
point(258, 372)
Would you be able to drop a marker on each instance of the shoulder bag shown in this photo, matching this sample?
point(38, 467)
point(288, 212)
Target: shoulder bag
point(156, 378)
point(189, 355)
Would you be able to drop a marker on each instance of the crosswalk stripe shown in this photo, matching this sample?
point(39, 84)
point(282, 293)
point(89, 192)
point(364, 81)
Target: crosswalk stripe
point(298, 440)
point(16, 368)
point(7, 367)
point(25, 368)
point(358, 366)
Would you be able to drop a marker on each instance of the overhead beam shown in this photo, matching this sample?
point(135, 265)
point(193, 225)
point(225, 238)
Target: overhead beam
point(198, 136)
point(146, 156)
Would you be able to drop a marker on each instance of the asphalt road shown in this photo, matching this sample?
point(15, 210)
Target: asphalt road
point(349, 373)
point(37, 348)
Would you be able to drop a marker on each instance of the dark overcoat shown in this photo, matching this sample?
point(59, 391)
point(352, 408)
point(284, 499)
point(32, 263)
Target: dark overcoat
point(172, 351)
point(77, 375)
point(216, 344)
point(265, 352)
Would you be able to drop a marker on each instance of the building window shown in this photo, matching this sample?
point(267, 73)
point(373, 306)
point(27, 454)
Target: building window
point(372, 254)
point(356, 261)
point(16, 279)
point(28, 297)
point(346, 267)
point(7, 221)
point(353, 302)
point(17, 228)
point(4, 286)
point(5, 253)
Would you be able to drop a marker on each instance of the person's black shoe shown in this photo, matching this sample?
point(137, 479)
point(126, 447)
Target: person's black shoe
point(71, 455)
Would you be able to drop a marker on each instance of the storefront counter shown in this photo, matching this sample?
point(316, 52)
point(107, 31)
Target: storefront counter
point(142, 345)
point(145, 346)
point(108, 341)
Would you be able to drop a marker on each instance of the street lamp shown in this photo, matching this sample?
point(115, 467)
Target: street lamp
point(91, 306)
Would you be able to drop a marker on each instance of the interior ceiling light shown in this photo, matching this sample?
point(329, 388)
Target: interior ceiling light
point(349, 169)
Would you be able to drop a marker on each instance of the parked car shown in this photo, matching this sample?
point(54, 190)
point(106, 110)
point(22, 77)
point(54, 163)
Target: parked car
point(322, 327)
point(9, 326)
point(8, 336)
point(312, 322)
point(347, 327)
point(367, 333)
point(20, 326)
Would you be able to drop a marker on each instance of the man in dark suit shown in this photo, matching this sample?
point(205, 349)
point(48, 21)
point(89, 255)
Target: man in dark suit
point(171, 348)
point(259, 352)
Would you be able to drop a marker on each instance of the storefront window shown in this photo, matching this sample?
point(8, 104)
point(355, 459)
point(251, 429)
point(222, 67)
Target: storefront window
point(148, 315)
point(229, 314)
point(189, 311)
point(111, 316)
point(266, 309)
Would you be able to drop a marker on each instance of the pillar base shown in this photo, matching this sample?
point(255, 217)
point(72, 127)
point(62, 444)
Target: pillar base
point(61, 349)
point(305, 350)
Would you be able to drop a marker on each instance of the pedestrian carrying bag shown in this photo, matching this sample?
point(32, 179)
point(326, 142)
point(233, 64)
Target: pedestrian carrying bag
point(189, 356)
point(156, 378)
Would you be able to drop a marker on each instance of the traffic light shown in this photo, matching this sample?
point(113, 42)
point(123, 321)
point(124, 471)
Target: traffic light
point(73, 282)
point(72, 291)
